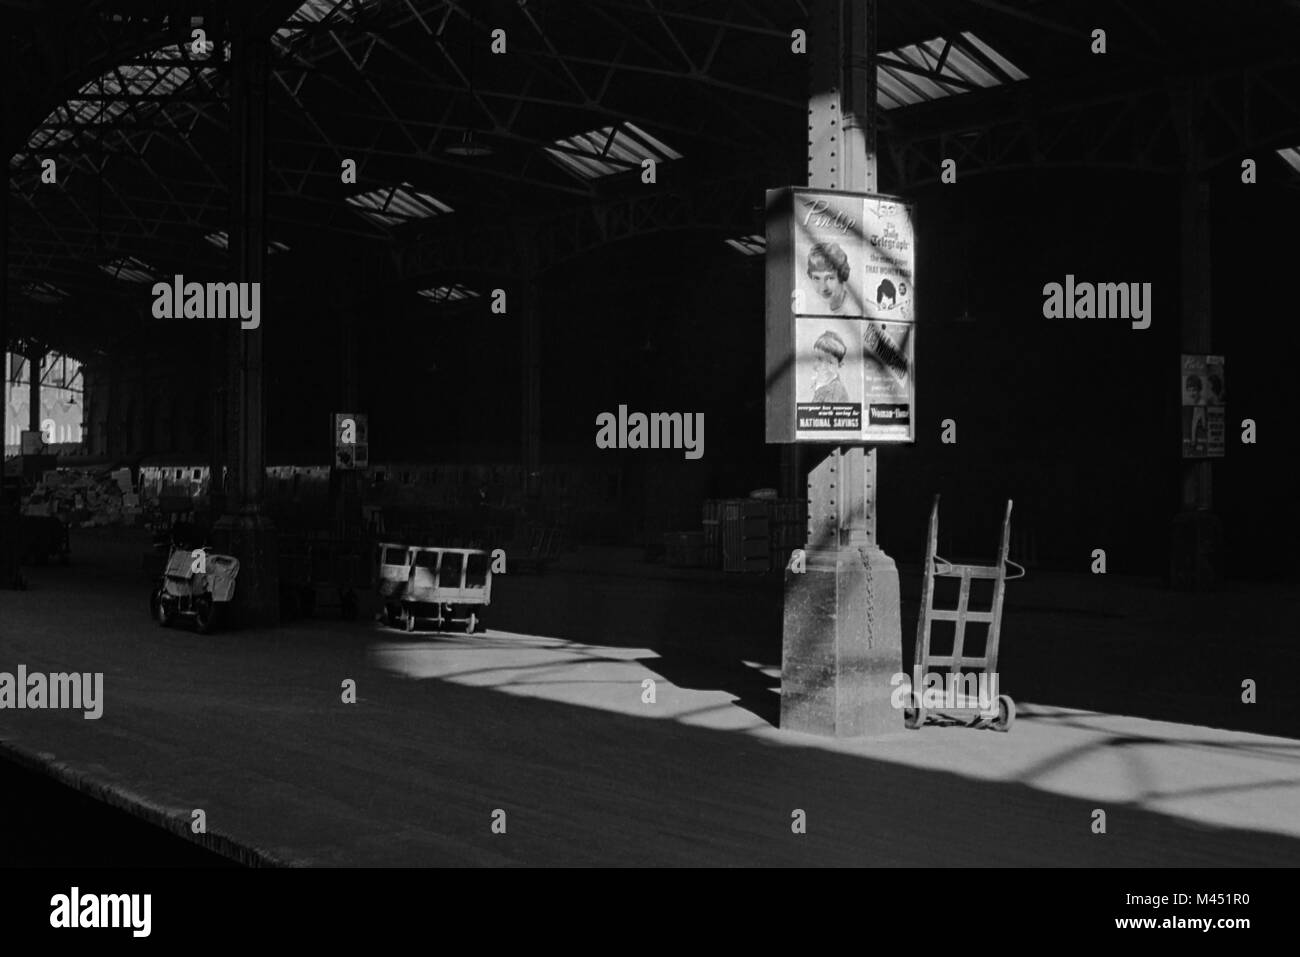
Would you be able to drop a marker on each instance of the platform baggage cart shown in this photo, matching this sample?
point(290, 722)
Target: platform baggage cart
point(442, 585)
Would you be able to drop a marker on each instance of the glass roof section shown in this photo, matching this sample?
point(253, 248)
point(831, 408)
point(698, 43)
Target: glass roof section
point(44, 292)
point(609, 150)
point(317, 12)
point(222, 241)
point(922, 72)
point(104, 101)
point(129, 269)
point(395, 205)
point(749, 245)
point(453, 293)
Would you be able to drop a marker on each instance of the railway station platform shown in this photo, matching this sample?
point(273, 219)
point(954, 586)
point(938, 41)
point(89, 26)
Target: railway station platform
point(544, 717)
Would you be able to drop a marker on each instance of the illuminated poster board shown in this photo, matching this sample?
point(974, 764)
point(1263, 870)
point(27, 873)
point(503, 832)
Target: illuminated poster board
point(1204, 406)
point(841, 331)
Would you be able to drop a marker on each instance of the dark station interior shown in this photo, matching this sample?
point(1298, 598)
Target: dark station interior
point(499, 273)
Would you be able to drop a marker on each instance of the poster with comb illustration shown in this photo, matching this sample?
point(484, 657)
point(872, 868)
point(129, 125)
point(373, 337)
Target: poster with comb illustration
point(887, 395)
point(840, 317)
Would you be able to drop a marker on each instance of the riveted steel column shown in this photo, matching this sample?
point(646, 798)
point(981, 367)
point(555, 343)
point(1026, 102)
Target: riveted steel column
point(842, 635)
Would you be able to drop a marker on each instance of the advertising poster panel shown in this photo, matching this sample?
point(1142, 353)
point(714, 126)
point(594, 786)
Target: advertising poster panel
point(887, 367)
point(828, 376)
point(829, 255)
point(840, 317)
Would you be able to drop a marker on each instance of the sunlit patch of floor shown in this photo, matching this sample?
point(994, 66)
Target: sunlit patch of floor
point(596, 676)
point(1206, 775)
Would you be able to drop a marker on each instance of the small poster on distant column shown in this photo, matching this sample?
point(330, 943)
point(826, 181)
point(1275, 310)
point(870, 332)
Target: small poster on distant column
point(351, 442)
point(1204, 406)
point(840, 317)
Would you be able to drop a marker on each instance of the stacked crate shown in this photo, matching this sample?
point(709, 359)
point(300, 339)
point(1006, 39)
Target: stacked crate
point(746, 536)
point(752, 535)
point(712, 533)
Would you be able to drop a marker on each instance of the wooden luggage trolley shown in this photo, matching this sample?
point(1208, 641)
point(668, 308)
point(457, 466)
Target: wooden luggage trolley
point(444, 585)
point(967, 707)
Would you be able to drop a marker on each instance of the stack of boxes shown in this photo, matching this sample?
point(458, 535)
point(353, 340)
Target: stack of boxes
point(752, 534)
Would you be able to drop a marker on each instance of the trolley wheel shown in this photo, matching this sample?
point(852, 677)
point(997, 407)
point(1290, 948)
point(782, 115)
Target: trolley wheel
point(1006, 714)
point(914, 716)
point(158, 609)
point(205, 614)
point(408, 619)
point(471, 624)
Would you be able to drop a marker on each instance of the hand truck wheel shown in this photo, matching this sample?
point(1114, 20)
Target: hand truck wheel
point(1006, 714)
point(914, 716)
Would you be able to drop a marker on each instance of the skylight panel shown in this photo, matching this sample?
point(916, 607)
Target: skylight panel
point(222, 241)
point(934, 69)
point(749, 245)
point(44, 292)
point(1002, 63)
point(395, 205)
point(453, 293)
point(106, 98)
point(609, 150)
point(129, 269)
point(314, 12)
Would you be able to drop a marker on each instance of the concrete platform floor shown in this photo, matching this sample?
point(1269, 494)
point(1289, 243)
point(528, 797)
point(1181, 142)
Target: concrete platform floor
point(543, 718)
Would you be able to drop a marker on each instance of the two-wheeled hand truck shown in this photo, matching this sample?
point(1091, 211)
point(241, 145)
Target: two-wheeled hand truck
point(954, 701)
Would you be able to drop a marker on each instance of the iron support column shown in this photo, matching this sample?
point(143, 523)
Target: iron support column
point(842, 636)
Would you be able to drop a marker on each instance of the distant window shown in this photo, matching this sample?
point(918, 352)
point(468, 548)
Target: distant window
point(426, 559)
point(394, 556)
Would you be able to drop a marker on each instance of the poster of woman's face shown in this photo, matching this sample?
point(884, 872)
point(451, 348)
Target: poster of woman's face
point(828, 257)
